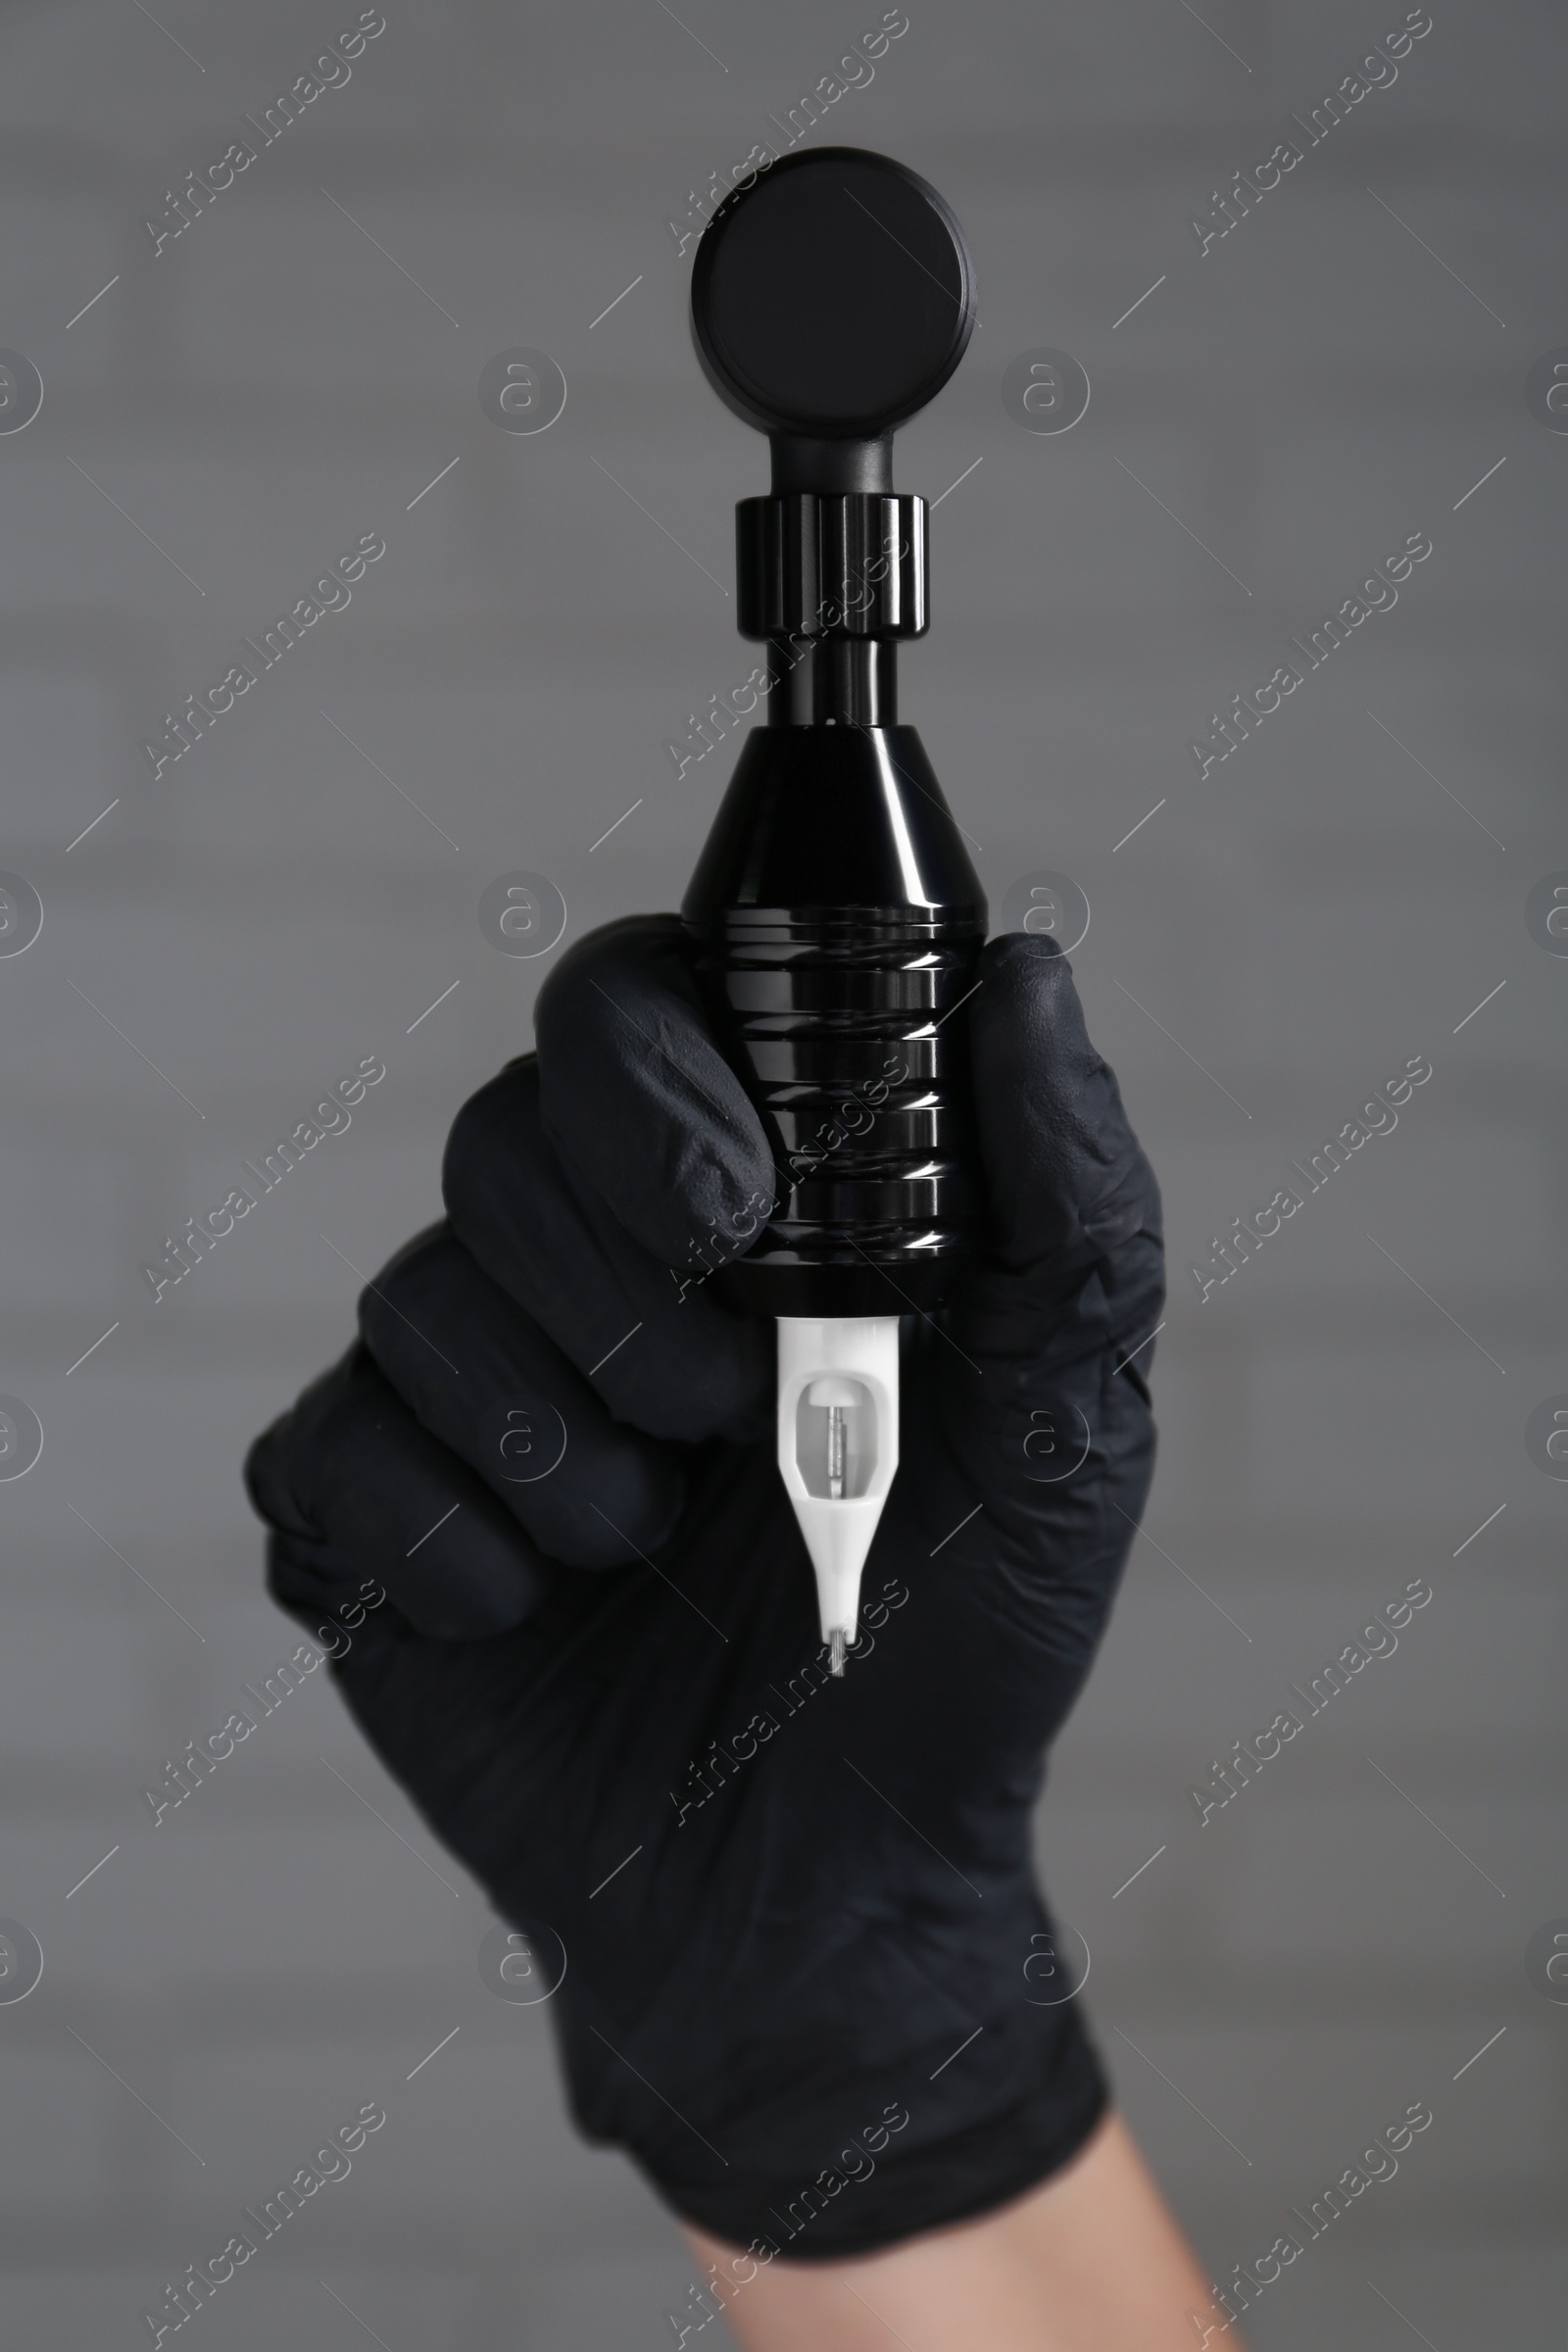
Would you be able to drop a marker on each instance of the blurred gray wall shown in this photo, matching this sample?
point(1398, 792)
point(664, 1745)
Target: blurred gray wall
point(1279, 413)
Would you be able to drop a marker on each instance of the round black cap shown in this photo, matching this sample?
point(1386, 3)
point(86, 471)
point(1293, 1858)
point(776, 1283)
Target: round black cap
point(833, 297)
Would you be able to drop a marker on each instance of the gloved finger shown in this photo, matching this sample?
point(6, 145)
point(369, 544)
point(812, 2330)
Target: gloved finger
point(359, 1496)
point(638, 1099)
point(657, 1346)
point(1046, 1354)
point(1072, 1206)
point(479, 1374)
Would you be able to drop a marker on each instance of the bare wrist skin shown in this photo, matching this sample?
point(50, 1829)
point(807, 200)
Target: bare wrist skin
point(1091, 2261)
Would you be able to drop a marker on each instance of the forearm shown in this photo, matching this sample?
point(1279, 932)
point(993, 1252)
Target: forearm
point(1091, 2261)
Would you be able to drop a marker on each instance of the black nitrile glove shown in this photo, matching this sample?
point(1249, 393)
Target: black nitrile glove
point(829, 1886)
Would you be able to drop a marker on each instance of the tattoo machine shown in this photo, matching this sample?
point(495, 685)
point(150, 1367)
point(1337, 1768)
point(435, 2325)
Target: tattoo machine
point(835, 915)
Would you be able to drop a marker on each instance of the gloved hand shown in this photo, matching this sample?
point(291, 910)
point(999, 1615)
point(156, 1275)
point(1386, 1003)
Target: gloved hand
point(605, 1659)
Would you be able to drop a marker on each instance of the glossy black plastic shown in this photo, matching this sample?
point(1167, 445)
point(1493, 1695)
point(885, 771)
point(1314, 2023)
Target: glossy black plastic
point(837, 918)
point(835, 914)
point(832, 297)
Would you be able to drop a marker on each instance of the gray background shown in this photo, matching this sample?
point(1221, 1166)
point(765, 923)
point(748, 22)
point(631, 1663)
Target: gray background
point(1318, 385)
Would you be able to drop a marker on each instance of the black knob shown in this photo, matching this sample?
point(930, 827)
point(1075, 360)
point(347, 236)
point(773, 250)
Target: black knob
point(831, 300)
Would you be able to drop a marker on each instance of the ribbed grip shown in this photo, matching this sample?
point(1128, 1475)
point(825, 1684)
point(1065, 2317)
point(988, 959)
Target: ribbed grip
point(842, 1028)
point(811, 565)
point(835, 922)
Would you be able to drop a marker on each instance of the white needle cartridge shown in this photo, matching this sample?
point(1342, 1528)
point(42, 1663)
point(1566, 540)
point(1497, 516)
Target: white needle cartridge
point(838, 1448)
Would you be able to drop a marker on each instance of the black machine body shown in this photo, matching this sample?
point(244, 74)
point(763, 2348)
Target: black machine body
point(834, 911)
